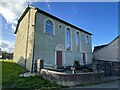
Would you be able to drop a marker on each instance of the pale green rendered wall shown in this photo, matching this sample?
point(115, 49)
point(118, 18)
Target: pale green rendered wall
point(45, 44)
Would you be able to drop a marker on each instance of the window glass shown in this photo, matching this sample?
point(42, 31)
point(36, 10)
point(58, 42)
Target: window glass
point(68, 39)
point(77, 41)
point(49, 27)
point(87, 40)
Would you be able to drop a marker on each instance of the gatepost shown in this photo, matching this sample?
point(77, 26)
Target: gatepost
point(40, 65)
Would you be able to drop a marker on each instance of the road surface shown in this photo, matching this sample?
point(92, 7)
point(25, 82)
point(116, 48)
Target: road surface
point(113, 85)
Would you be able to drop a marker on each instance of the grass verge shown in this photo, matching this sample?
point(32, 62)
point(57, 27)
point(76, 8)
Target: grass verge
point(11, 79)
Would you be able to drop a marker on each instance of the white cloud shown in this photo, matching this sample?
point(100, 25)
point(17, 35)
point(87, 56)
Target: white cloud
point(74, 12)
point(13, 27)
point(46, 1)
point(7, 46)
point(12, 11)
point(62, 0)
point(48, 5)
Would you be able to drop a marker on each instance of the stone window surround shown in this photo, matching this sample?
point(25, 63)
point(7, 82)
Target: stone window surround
point(45, 25)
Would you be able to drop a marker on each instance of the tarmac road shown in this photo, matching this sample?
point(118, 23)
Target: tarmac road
point(113, 85)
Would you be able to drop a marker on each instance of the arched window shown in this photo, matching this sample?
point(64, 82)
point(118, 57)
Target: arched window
point(77, 41)
point(87, 40)
point(49, 27)
point(68, 39)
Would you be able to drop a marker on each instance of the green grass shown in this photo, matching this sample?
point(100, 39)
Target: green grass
point(11, 79)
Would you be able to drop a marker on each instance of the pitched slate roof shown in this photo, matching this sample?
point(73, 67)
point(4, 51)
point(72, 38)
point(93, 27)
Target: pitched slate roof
point(39, 10)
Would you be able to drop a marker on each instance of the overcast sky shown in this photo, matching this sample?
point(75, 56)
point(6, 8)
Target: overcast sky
point(101, 19)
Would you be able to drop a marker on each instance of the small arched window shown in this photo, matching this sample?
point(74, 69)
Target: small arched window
point(49, 27)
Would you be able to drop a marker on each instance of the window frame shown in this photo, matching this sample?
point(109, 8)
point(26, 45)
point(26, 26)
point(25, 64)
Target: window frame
point(45, 26)
point(87, 39)
point(70, 38)
point(78, 41)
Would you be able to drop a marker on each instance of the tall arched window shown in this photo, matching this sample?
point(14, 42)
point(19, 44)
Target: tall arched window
point(77, 41)
point(68, 39)
point(87, 40)
point(49, 27)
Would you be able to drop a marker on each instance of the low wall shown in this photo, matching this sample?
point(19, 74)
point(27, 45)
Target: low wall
point(72, 79)
point(110, 67)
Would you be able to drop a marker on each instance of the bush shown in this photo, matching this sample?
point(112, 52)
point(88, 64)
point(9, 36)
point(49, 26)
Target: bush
point(66, 68)
point(76, 63)
point(86, 69)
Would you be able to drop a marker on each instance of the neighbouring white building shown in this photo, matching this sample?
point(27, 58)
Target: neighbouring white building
point(108, 52)
point(107, 57)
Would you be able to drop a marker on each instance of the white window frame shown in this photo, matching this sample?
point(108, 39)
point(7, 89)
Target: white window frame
point(70, 38)
point(87, 39)
point(53, 26)
point(78, 42)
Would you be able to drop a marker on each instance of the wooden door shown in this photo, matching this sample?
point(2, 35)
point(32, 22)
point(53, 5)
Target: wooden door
point(84, 59)
point(59, 58)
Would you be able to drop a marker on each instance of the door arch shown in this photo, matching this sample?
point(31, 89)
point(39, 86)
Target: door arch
point(59, 55)
point(59, 47)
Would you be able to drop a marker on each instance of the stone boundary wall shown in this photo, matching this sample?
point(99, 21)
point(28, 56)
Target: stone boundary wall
point(72, 79)
point(109, 67)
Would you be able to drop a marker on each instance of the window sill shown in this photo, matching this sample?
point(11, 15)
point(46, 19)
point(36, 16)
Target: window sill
point(68, 50)
point(49, 34)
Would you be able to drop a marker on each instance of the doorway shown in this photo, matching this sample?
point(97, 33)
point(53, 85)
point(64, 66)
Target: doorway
point(59, 58)
point(84, 58)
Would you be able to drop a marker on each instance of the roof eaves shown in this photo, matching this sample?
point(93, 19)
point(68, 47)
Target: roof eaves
point(26, 10)
point(39, 10)
point(107, 44)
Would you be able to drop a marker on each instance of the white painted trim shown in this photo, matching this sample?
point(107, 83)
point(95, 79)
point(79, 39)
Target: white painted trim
point(70, 38)
point(85, 57)
point(64, 58)
point(88, 39)
point(55, 59)
point(58, 47)
point(53, 25)
point(79, 41)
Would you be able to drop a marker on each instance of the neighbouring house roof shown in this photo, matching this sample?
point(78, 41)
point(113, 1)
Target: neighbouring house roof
point(99, 47)
point(96, 48)
point(39, 10)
